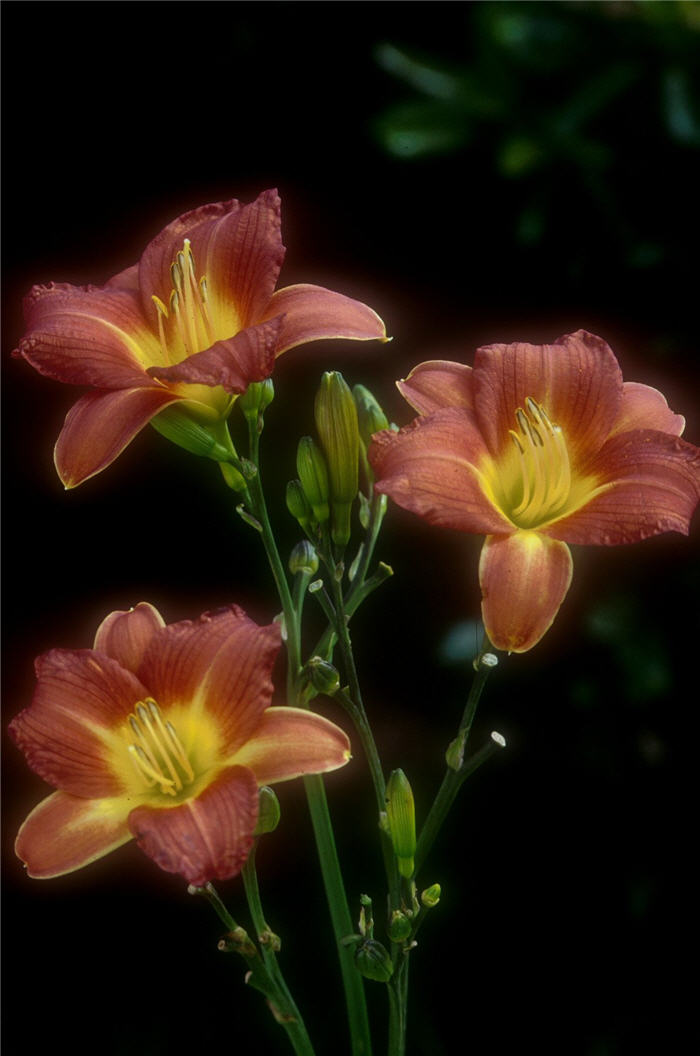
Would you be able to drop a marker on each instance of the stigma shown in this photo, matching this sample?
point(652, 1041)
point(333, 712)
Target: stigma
point(543, 473)
point(156, 750)
point(184, 324)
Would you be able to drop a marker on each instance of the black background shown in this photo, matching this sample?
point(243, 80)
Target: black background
point(564, 863)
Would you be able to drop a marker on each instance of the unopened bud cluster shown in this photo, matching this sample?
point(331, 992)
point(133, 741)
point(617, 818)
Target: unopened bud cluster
point(328, 471)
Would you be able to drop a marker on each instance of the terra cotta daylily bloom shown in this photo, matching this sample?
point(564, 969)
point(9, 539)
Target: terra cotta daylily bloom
point(536, 447)
point(162, 733)
point(194, 322)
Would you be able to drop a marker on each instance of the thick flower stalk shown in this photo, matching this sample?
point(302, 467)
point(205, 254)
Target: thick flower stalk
point(163, 734)
point(536, 447)
point(192, 324)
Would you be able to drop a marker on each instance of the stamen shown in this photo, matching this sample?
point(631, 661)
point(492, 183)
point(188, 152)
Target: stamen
point(543, 459)
point(151, 775)
point(157, 751)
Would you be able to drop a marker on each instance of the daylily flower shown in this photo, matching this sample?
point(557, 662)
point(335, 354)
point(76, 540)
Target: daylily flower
point(538, 446)
point(193, 323)
point(163, 734)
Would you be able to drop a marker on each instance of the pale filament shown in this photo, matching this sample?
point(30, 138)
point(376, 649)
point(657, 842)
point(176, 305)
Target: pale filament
point(156, 750)
point(544, 465)
point(187, 307)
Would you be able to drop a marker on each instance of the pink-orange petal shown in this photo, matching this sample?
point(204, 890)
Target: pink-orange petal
point(312, 312)
point(79, 696)
point(643, 407)
point(290, 742)
point(577, 380)
point(225, 659)
point(524, 578)
point(237, 248)
point(650, 483)
point(431, 467)
point(100, 425)
point(64, 833)
point(436, 384)
point(125, 636)
point(88, 336)
point(128, 279)
point(203, 839)
point(233, 364)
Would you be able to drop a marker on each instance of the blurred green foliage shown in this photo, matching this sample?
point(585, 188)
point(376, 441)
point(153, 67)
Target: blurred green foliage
point(570, 103)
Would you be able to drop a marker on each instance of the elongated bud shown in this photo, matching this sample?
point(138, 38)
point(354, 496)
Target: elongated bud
point(373, 961)
point(298, 504)
point(256, 399)
point(401, 818)
point(431, 896)
point(197, 438)
point(370, 417)
point(323, 676)
point(336, 422)
point(268, 812)
point(303, 558)
point(313, 474)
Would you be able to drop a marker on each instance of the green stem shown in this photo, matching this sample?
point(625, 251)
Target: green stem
point(456, 775)
point(355, 707)
point(237, 940)
point(315, 792)
point(284, 1007)
point(398, 1008)
point(340, 915)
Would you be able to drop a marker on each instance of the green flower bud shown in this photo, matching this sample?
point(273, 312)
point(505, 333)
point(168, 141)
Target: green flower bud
point(303, 558)
point(399, 926)
point(336, 422)
point(313, 474)
point(431, 896)
point(268, 812)
point(323, 676)
point(298, 505)
point(373, 961)
point(207, 440)
point(370, 417)
point(401, 818)
point(233, 478)
point(256, 398)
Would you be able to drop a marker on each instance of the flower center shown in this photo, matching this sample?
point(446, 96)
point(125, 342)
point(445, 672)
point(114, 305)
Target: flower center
point(156, 750)
point(184, 325)
point(539, 483)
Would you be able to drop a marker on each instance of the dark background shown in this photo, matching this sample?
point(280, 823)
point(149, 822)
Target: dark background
point(477, 173)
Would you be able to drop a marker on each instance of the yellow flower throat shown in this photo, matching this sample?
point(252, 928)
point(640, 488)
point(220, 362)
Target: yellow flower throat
point(156, 750)
point(531, 483)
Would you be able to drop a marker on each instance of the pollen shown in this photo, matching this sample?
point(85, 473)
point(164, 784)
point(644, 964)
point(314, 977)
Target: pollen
point(156, 750)
point(185, 323)
point(542, 477)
